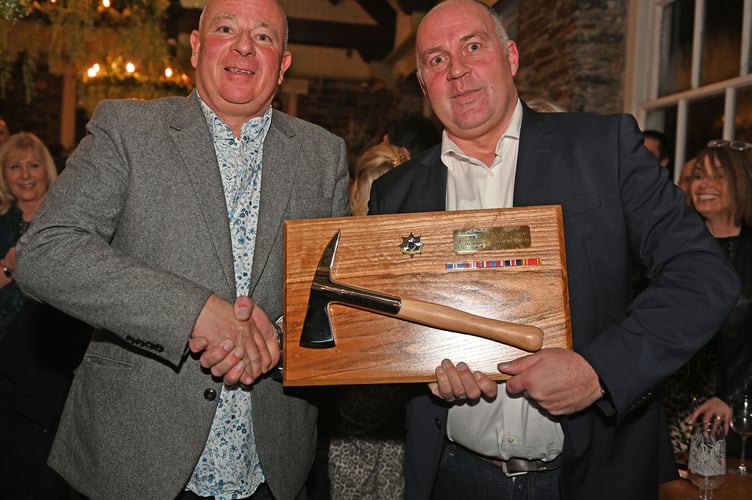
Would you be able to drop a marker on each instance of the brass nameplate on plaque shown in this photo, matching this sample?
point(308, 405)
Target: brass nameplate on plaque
point(491, 238)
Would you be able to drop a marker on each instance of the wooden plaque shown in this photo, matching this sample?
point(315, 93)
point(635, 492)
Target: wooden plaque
point(507, 264)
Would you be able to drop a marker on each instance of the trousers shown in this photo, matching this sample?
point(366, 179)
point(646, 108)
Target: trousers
point(464, 475)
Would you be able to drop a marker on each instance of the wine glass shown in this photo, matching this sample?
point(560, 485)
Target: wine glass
point(707, 459)
point(741, 423)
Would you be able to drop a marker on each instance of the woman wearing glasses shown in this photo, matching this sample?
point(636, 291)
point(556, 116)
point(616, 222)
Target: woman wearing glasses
point(721, 192)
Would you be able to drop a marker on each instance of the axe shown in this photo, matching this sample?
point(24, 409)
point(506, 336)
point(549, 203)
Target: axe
point(317, 327)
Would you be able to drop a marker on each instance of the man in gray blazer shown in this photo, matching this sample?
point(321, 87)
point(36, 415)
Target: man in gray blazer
point(167, 211)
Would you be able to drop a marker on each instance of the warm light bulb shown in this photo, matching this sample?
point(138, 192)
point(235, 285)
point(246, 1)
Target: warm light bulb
point(130, 67)
point(106, 4)
point(168, 72)
point(93, 71)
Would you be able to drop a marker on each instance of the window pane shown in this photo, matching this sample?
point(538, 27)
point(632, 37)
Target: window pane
point(744, 115)
point(721, 49)
point(663, 119)
point(676, 47)
point(704, 122)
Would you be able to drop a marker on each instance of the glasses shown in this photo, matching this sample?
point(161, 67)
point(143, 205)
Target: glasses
point(738, 145)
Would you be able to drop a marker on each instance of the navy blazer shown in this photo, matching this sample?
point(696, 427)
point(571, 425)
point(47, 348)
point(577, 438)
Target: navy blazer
point(619, 206)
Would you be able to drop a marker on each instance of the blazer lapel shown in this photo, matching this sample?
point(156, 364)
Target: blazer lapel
point(435, 181)
point(190, 133)
point(425, 188)
point(535, 159)
point(280, 159)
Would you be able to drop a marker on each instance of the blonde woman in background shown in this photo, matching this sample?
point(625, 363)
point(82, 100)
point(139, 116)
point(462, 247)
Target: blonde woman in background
point(366, 449)
point(39, 346)
point(374, 162)
point(27, 172)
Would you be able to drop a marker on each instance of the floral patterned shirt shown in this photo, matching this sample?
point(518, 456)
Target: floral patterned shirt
point(229, 466)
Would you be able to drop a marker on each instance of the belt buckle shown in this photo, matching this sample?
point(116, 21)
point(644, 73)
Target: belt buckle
point(506, 472)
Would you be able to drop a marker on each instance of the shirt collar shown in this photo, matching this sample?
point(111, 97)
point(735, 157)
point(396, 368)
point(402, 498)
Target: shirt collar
point(248, 132)
point(449, 147)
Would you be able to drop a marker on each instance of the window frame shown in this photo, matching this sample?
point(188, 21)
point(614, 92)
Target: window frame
point(643, 64)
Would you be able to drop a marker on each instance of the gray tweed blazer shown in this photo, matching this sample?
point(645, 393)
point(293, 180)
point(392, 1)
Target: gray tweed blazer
point(133, 238)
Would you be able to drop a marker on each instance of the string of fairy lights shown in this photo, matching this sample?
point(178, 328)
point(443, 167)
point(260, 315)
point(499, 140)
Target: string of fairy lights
point(118, 48)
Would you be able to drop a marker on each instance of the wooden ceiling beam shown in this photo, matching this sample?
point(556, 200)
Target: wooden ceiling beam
point(373, 42)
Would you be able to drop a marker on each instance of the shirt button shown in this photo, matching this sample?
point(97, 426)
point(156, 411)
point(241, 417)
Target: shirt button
point(490, 174)
point(510, 440)
point(210, 394)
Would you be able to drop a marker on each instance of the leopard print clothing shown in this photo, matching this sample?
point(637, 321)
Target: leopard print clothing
point(681, 393)
point(366, 469)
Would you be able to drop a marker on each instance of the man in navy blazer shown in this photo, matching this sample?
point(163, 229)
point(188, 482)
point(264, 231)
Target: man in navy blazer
point(582, 424)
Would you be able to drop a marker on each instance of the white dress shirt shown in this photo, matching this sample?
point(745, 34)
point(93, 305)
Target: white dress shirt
point(507, 427)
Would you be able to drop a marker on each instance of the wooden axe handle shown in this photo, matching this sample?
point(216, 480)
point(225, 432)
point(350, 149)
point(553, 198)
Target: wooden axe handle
point(527, 337)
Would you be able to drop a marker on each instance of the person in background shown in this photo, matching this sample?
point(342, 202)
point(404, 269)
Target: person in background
point(366, 442)
point(164, 233)
point(721, 192)
point(413, 134)
point(545, 106)
point(28, 170)
point(371, 164)
point(657, 143)
point(4, 131)
point(36, 359)
point(578, 424)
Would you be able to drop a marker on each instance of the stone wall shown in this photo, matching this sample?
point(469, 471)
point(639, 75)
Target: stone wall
point(359, 112)
point(572, 53)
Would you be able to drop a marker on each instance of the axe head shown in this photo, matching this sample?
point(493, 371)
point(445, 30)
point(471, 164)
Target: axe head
point(317, 327)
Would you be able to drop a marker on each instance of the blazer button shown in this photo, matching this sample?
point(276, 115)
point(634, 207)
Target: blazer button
point(210, 394)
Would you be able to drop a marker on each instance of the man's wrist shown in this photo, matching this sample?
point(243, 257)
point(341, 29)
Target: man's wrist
point(276, 372)
point(279, 326)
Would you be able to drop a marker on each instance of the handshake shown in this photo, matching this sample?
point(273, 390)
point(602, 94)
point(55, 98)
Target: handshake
point(238, 343)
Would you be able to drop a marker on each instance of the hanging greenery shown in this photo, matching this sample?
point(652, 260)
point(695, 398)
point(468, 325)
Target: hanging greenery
point(74, 35)
point(112, 80)
point(10, 10)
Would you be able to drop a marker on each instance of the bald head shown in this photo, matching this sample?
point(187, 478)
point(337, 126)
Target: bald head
point(466, 67)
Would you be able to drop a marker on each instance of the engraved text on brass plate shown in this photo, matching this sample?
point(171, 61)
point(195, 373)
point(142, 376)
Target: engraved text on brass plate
point(491, 238)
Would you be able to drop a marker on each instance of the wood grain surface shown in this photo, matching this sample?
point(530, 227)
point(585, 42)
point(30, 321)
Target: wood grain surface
point(375, 348)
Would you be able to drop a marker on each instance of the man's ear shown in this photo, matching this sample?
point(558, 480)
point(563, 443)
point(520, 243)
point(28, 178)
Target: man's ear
point(513, 56)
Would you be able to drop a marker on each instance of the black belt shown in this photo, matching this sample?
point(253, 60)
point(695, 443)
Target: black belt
point(513, 465)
